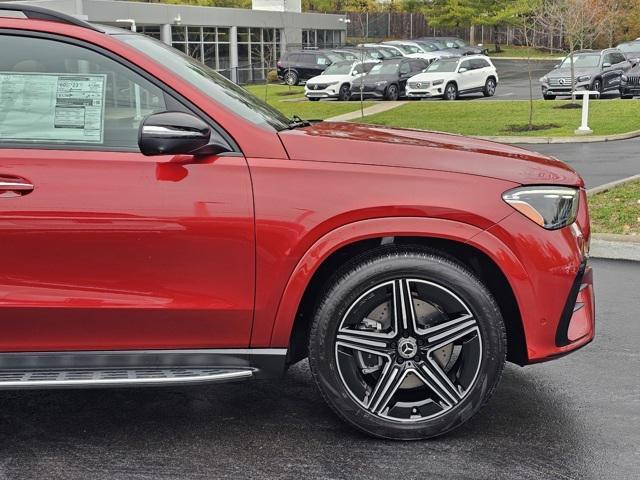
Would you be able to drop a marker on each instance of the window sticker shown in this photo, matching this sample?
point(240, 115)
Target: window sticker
point(52, 107)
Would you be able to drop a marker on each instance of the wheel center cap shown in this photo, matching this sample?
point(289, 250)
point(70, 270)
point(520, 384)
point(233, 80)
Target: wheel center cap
point(407, 348)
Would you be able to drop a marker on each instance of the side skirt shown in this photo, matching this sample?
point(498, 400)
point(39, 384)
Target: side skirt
point(137, 368)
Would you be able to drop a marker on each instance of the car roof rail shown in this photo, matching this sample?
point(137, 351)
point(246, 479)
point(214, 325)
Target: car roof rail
point(38, 13)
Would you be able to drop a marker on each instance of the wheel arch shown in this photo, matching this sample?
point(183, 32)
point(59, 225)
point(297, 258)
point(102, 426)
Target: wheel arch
point(453, 239)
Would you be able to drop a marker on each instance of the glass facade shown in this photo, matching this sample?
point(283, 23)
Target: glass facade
point(149, 30)
point(258, 49)
point(210, 45)
point(258, 52)
point(321, 38)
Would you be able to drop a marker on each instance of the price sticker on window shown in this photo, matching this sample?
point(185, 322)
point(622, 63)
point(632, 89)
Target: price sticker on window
point(65, 108)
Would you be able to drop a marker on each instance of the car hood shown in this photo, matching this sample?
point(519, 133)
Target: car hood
point(430, 76)
point(322, 79)
point(566, 72)
point(369, 79)
point(373, 145)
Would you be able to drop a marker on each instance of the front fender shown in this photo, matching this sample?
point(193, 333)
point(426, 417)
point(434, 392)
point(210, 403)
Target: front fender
point(385, 227)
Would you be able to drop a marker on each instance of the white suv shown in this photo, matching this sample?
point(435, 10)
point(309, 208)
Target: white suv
point(449, 78)
point(414, 50)
point(335, 81)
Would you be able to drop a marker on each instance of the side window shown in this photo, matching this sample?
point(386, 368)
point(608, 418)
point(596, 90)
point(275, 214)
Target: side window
point(618, 57)
point(55, 93)
point(466, 64)
point(358, 69)
point(608, 58)
point(368, 66)
point(405, 68)
point(418, 66)
point(479, 63)
point(320, 60)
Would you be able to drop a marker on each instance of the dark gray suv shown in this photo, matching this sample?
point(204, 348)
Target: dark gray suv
point(597, 70)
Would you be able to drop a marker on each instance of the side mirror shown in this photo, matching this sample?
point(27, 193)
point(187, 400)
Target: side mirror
point(606, 65)
point(176, 133)
point(462, 70)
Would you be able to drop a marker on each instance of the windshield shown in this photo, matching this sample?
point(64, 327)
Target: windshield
point(340, 68)
point(582, 61)
point(385, 53)
point(460, 43)
point(385, 68)
point(231, 96)
point(629, 47)
point(410, 48)
point(429, 47)
point(442, 66)
point(334, 57)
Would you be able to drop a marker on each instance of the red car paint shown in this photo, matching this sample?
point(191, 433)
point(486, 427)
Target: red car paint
point(121, 251)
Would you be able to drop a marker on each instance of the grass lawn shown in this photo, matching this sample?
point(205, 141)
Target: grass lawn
point(521, 52)
point(291, 101)
point(617, 210)
point(492, 118)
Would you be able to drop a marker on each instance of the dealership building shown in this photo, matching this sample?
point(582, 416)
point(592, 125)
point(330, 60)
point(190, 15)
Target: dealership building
point(242, 44)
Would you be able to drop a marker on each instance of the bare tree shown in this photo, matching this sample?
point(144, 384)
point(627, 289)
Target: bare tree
point(577, 22)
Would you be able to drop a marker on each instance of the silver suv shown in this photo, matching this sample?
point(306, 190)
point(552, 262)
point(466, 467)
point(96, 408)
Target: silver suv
point(596, 70)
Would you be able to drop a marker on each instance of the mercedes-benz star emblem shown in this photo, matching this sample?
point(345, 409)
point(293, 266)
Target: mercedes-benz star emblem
point(407, 348)
point(561, 81)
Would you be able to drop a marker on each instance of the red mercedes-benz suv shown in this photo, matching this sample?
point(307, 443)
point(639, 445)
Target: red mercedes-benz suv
point(159, 225)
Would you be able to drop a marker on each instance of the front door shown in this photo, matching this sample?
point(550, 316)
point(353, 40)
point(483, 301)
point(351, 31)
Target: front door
point(101, 247)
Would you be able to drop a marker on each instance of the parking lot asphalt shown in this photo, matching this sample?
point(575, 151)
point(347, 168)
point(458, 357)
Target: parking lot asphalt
point(598, 162)
point(575, 418)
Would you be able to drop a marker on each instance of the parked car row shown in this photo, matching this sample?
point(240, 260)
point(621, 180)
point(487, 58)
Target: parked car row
point(301, 65)
point(603, 71)
point(412, 78)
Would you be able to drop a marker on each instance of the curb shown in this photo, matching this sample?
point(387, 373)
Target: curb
point(615, 247)
point(372, 110)
point(550, 140)
point(610, 185)
point(524, 59)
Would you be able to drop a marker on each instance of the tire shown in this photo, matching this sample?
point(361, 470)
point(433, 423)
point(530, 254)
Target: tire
point(597, 87)
point(548, 97)
point(313, 99)
point(345, 93)
point(441, 291)
point(450, 91)
point(489, 87)
point(392, 92)
point(291, 78)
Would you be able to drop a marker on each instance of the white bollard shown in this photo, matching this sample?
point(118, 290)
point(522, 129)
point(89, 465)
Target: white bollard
point(584, 129)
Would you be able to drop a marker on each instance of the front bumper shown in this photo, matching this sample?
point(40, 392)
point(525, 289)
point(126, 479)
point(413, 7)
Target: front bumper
point(551, 280)
point(328, 92)
point(369, 91)
point(564, 90)
point(428, 92)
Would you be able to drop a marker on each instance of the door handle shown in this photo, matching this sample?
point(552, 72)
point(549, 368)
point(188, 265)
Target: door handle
point(14, 187)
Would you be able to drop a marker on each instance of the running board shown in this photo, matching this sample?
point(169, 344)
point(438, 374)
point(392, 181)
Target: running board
point(84, 378)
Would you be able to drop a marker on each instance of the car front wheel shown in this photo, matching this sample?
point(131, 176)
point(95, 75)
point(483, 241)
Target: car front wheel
point(391, 93)
point(451, 92)
point(406, 344)
point(345, 93)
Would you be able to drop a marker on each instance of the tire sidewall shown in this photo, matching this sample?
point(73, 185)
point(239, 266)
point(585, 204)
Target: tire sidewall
point(446, 92)
point(291, 75)
point(351, 286)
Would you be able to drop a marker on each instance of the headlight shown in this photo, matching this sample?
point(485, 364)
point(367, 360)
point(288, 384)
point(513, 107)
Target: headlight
point(544, 80)
point(584, 78)
point(438, 82)
point(624, 78)
point(550, 207)
point(383, 82)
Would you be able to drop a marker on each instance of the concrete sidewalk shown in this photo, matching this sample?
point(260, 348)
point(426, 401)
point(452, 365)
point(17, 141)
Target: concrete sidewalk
point(372, 110)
